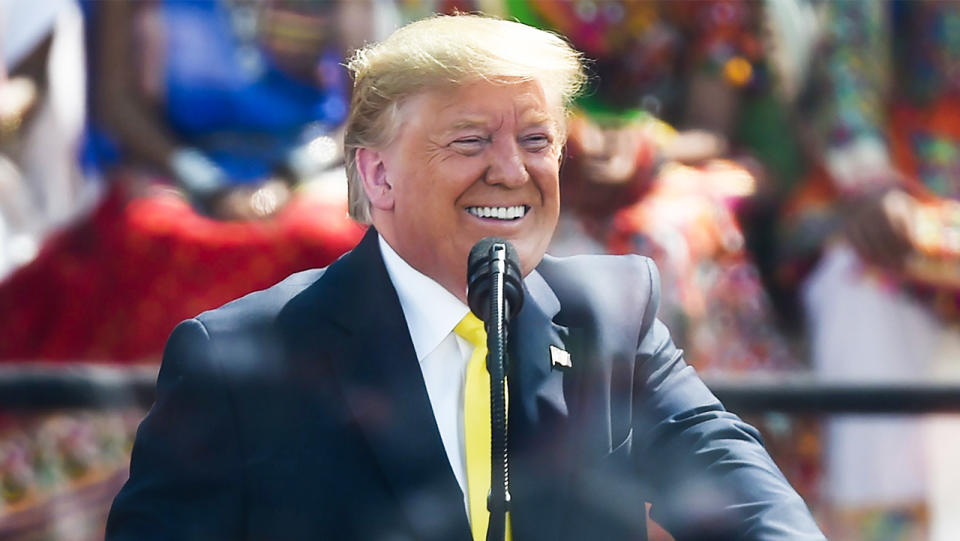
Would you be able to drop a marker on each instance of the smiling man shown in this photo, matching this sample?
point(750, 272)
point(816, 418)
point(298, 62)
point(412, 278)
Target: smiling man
point(475, 160)
point(332, 405)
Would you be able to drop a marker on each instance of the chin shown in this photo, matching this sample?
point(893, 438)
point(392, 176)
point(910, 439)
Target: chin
point(530, 252)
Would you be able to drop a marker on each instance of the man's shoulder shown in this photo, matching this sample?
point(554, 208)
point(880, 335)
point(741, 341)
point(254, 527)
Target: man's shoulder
point(600, 276)
point(580, 265)
point(259, 307)
point(603, 286)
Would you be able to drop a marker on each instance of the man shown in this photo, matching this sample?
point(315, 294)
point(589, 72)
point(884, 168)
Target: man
point(331, 405)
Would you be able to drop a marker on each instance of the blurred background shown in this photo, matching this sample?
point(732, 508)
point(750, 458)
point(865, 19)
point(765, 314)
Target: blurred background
point(793, 166)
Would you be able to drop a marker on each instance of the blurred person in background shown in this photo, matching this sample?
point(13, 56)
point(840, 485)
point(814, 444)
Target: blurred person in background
point(42, 108)
point(879, 224)
point(215, 128)
point(174, 114)
point(58, 469)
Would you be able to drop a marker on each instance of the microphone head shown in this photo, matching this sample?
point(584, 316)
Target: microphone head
point(479, 272)
point(482, 253)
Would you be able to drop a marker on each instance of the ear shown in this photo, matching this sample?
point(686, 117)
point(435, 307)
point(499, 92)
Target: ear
point(373, 172)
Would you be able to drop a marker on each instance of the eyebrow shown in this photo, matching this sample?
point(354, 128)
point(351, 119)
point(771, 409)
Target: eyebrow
point(466, 123)
point(537, 117)
point(528, 118)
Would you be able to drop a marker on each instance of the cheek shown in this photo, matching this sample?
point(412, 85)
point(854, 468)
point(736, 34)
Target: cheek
point(460, 172)
point(431, 210)
point(546, 174)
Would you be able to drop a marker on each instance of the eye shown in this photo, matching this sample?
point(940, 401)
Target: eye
point(470, 144)
point(536, 142)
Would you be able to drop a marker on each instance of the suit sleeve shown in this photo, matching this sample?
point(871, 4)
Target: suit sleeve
point(185, 472)
point(707, 473)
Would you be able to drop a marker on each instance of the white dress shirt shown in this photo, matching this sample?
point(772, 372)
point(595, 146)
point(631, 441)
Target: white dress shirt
point(432, 312)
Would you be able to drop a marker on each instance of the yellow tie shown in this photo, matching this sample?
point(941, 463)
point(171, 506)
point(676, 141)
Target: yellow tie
point(476, 423)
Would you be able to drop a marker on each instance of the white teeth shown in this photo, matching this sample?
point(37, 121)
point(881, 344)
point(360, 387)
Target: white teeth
point(500, 213)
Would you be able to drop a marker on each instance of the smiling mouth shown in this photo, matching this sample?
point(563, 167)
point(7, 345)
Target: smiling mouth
point(499, 213)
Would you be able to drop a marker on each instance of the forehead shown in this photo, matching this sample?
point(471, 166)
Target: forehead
point(481, 103)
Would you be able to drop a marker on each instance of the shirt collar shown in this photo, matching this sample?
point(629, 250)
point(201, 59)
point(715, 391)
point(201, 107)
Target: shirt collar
point(431, 311)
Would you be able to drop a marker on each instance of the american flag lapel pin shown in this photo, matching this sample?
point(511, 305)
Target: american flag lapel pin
point(559, 358)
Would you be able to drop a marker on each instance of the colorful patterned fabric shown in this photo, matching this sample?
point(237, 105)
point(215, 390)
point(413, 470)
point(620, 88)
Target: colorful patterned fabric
point(888, 76)
point(641, 48)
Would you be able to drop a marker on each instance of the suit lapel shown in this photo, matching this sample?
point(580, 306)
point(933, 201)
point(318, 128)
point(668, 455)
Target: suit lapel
point(540, 450)
point(383, 387)
point(531, 335)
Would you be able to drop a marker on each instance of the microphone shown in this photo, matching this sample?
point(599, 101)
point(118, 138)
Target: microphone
point(495, 294)
point(482, 265)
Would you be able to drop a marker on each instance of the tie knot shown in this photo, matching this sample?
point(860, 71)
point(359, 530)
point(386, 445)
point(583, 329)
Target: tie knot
point(471, 329)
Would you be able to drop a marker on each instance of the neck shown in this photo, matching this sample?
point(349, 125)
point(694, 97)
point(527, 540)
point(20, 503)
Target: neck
point(446, 280)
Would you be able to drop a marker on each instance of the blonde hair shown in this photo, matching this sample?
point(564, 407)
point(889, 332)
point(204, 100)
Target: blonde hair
point(446, 50)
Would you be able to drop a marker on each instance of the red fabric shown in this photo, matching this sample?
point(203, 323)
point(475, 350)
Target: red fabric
point(112, 287)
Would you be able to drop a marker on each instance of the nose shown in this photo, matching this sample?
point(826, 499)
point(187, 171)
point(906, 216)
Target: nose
point(507, 166)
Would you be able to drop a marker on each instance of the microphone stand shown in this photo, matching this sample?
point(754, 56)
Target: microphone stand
point(498, 501)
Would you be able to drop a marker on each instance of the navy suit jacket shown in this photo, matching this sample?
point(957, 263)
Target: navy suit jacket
point(300, 412)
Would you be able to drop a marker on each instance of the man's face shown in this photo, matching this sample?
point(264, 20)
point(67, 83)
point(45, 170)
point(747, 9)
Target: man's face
point(470, 162)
